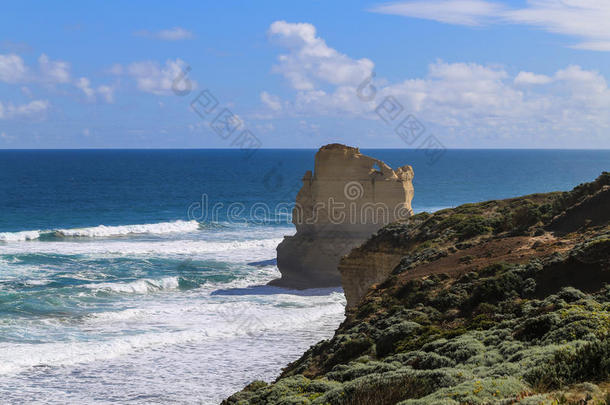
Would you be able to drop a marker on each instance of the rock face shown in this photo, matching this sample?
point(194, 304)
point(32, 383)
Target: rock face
point(347, 198)
point(363, 268)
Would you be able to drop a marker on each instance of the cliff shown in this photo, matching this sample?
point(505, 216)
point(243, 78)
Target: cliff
point(347, 198)
point(500, 302)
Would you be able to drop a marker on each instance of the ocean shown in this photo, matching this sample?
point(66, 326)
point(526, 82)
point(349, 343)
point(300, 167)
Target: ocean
point(139, 276)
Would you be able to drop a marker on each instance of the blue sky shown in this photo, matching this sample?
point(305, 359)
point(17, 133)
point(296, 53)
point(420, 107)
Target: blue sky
point(469, 73)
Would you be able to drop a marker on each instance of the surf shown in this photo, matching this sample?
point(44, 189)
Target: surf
point(104, 231)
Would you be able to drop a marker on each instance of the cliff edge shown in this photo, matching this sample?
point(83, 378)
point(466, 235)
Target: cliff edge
point(341, 204)
point(499, 302)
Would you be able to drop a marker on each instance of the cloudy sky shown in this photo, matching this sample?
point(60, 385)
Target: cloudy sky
point(471, 73)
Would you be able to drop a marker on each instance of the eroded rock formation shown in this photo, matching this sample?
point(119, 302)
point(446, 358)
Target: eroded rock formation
point(347, 198)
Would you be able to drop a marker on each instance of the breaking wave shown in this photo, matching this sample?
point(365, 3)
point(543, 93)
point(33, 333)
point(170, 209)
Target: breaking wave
point(19, 236)
point(103, 231)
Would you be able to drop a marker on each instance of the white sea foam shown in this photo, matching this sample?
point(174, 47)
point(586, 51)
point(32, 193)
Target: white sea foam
point(233, 251)
point(106, 231)
point(19, 236)
point(178, 322)
point(142, 286)
point(103, 231)
point(151, 319)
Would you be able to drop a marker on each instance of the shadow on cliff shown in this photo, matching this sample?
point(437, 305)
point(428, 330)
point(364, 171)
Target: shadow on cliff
point(271, 290)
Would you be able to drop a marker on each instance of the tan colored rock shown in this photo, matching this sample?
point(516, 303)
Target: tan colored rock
point(363, 268)
point(347, 198)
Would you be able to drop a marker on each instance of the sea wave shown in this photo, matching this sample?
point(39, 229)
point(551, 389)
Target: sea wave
point(141, 286)
point(103, 231)
point(230, 251)
point(183, 323)
point(19, 236)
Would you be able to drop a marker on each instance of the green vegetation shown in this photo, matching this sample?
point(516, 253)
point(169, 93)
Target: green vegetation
point(476, 340)
point(528, 332)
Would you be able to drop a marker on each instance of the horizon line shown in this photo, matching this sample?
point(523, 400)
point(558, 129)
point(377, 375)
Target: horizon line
point(312, 148)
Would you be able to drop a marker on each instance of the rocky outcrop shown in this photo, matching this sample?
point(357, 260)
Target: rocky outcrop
point(348, 197)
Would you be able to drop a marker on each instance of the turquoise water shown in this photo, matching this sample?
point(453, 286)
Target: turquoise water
point(120, 281)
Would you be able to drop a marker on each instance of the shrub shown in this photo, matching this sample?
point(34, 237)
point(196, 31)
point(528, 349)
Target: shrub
point(480, 391)
point(537, 327)
point(349, 350)
point(473, 226)
point(421, 360)
point(591, 362)
point(497, 288)
point(461, 348)
point(528, 214)
point(595, 251)
point(389, 337)
point(353, 370)
point(382, 389)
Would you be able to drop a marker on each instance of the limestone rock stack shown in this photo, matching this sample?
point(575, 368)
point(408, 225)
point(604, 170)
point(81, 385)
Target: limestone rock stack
point(347, 198)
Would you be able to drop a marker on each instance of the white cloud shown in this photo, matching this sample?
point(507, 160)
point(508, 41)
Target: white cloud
point(53, 71)
point(104, 91)
point(12, 69)
point(584, 19)
point(50, 72)
point(532, 78)
point(271, 101)
point(461, 12)
point(85, 85)
point(32, 109)
point(107, 93)
point(310, 61)
point(172, 34)
point(587, 19)
point(467, 100)
point(152, 78)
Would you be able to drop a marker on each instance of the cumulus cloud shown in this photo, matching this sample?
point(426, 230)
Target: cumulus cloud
point(310, 61)
point(271, 101)
point(85, 85)
point(106, 92)
point(53, 71)
point(532, 78)
point(12, 69)
point(466, 99)
point(32, 109)
point(172, 34)
point(49, 72)
point(153, 78)
point(584, 19)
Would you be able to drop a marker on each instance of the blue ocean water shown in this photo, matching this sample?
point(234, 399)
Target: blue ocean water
point(138, 276)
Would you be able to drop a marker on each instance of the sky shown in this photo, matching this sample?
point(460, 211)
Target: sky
point(301, 74)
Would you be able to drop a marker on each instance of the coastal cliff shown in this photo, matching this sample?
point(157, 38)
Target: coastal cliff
point(499, 302)
point(347, 198)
